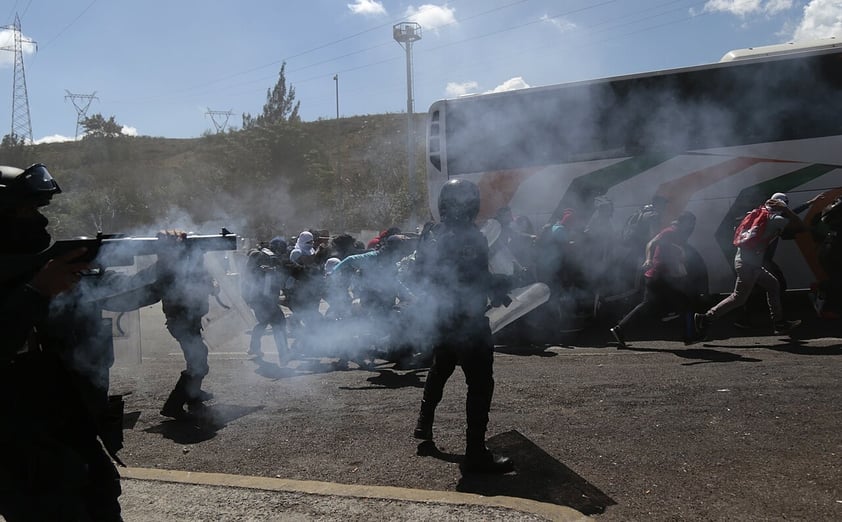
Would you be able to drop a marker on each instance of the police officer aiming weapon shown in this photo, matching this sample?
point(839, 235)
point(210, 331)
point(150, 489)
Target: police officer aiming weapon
point(110, 250)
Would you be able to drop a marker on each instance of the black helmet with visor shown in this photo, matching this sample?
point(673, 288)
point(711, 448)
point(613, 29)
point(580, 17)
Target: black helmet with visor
point(33, 184)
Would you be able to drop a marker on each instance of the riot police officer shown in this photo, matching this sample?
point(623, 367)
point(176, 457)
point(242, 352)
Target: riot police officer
point(185, 285)
point(452, 264)
point(52, 466)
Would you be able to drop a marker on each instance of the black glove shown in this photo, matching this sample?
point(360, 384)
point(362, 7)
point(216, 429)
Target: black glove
point(501, 285)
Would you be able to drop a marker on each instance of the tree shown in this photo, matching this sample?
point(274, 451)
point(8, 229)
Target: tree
point(97, 126)
point(12, 141)
point(280, 105)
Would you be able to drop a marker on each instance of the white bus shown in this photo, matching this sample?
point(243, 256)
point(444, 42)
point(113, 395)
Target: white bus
point(716, 140)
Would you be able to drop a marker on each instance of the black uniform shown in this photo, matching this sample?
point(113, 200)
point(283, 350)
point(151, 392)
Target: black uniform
point(55, 354)
point(452, 264)
point(186, 286)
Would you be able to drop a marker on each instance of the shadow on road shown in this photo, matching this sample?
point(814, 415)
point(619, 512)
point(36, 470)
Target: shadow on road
point(799, 347)
point(536, 350)
point(538, 476)
point(199, 427)
point(701, 355)
point(388, 378)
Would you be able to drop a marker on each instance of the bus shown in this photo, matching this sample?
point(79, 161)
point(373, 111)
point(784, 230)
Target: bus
point(716, 140)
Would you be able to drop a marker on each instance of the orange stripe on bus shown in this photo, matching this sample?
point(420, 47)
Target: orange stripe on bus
point(498, 188)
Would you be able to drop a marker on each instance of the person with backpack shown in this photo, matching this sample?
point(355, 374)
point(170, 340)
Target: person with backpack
point(666, 277)
point(263, 279)
point(752, 237)
point(639, 228)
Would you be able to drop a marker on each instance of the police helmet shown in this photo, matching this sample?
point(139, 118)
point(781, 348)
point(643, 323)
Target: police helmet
point(459, 201)
point(32, 184)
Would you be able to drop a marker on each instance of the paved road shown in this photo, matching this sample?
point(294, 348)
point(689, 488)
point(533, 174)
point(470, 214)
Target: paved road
point(745, 428)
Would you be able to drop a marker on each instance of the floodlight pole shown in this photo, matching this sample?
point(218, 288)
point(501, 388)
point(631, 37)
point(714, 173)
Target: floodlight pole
point(405, 33)
point(340, 184)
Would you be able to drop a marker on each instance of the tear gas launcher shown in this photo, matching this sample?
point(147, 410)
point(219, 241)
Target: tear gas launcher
point(109, 250)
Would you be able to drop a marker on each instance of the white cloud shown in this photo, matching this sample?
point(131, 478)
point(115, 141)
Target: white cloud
point(454, 89)
point(822, 19)
point(7, 40)
point(747, 7)
point(367, 7)
point(559, 23)
point(431, 16)
point(55, 138)
point(58, 138)
point(510, 85)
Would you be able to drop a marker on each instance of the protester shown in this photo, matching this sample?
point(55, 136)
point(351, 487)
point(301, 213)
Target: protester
point(748, 263)
point(665, 274)
point(263, 279)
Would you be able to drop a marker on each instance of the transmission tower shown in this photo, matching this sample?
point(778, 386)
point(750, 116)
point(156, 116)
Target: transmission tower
point(21, 122)
point(84, 101)
point(220, 127)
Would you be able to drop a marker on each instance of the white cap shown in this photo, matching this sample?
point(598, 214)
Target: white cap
point(330, 264)
point(780, 196)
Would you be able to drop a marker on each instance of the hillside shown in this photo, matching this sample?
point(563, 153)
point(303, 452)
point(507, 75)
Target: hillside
point(347, 174)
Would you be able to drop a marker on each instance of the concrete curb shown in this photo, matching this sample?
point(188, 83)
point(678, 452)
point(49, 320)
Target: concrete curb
point(542, 509)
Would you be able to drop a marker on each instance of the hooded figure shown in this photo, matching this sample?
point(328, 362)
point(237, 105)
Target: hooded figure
point(303, 247)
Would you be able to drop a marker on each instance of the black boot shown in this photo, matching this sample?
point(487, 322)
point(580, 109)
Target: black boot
point(174, 405)
point(424, 425)
point(479, 459)
point(195, 395)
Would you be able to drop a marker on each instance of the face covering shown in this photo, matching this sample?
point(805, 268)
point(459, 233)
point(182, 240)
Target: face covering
point(26, 235)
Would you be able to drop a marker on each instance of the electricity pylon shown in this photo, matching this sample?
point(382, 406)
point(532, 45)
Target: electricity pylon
point(81, 107)
point(21, 122)
point(220, 127)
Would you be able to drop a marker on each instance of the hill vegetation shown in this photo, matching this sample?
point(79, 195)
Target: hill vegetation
point(279, 178)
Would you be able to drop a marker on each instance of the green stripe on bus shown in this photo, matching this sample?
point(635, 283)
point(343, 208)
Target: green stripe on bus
point(588, 186)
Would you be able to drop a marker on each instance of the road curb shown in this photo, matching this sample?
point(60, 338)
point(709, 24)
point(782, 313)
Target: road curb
point(542, 509)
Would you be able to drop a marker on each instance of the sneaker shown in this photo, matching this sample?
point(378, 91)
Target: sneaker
point(782, 327)
point(618, 336)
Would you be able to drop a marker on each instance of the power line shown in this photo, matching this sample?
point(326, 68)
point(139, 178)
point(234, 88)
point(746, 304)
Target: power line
point(68, 26)
point(323, 46)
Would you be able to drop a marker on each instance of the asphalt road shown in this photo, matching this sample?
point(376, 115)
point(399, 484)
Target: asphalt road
point(744, 428)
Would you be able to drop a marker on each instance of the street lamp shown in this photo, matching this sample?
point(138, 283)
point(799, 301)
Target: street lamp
point(340, 199)
point(405, 33)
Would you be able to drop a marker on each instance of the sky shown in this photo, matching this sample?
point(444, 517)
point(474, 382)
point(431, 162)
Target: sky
point(178, 69)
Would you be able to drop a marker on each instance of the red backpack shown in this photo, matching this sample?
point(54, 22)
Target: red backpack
point(749, 234)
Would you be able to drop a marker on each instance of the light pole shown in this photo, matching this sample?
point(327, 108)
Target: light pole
point(405, 33)
point(340, 199)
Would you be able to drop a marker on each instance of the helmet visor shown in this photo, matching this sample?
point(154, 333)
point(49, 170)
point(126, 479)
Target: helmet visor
point(37, 179)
